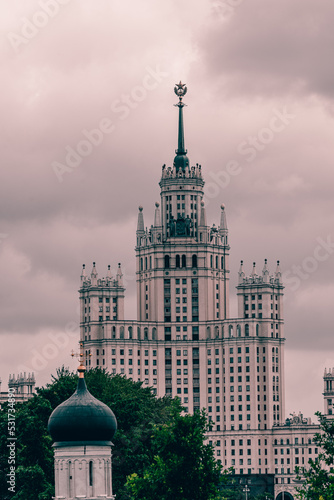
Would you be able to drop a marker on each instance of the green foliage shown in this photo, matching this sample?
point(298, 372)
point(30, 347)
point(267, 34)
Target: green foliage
point(318, 479)
point(33, 449)
point(183, 466)
point(32, 484)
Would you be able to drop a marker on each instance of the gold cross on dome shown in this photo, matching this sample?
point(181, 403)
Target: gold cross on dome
point(81, 355)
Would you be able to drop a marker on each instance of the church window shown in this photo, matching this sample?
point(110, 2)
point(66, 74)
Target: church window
point(91, 473)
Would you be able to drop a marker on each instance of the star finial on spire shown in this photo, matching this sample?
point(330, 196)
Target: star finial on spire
point(180, 90)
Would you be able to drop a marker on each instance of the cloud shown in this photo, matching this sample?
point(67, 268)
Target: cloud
point(271, 48)
point(241, 67)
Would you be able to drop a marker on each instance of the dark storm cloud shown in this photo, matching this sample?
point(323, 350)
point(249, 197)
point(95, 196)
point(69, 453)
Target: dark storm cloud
point(269, 47)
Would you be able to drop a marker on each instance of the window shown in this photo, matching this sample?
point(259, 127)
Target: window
point(184, 261)
point(166, 261)
point(177, 261)
point(91, 473)
point(194, 261)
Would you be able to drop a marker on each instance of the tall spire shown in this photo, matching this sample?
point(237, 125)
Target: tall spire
point(109, 275)
point(241, 272)
point(181, 160)
point(157, 216)
point(278, 274)
point(140, 224)
point(223, 223)
point(93, 275)
point(83, 274)
point(254, 273)
point(202, 221)
point(119, 275)
point(265, 271)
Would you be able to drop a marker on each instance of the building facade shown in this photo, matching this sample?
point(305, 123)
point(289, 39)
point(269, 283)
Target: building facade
point(184, 342)
point(22, 387)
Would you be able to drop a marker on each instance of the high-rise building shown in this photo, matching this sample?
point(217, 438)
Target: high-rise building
point(184, 342)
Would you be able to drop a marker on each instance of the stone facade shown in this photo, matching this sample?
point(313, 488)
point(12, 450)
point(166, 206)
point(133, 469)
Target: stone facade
point(184, 342)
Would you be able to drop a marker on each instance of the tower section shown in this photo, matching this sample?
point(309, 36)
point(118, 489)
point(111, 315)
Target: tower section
point(182, 262)
point(260, 308)
point(329, 393)
point(101, 308)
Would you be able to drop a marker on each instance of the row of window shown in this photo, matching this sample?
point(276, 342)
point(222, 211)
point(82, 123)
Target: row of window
point(259, 297)
point(180, 261)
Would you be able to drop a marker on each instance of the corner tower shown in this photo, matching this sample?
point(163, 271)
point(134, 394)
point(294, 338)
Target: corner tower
point(182, 262)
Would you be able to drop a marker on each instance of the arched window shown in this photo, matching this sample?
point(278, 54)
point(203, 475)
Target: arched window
point(145, 333)
point(150, 262)
point(138, 333)
point(222, 331)
point(246, 330)
point(121, 332)
point(222, 262)
point(90, 473)
point(141, 264)
point(230, 331)
point(216, 261)
point(257, 330)
point(114, 332)
point(154, 333)
point(130, 332)
point(194, 261)
point(208, 333)
point(166, 261)
point(145, 262)
point(177, 261)
point(238, 331)
point(184, 261)
point(216, 332)
point(211, 261)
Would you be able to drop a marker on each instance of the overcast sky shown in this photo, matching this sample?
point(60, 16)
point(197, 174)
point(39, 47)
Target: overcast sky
point(259, 120)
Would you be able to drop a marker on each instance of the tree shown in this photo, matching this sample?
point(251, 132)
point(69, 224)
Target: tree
point(183, 466)
point(318, 479)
